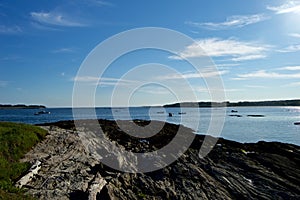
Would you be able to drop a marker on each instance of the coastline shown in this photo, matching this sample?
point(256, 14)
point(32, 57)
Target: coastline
point(21, 106)
point(274, 103)
point(231, 170)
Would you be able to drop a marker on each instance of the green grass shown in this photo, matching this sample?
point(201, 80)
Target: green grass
point(15, 141)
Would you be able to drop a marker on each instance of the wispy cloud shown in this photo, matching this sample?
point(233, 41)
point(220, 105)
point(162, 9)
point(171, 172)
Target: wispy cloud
point(291, 6)
point(291, 48)
point(227, 65)
point(256, 86)
point(63, 50)
point(206, 89)
point(265, 74)
point(86, 79)
point(290, 68)
point(43, 27)
point(11, 58)
point(295, 84)
point(3, 83)
point(235, 21)
point(215, 47)
point(154, 90)
point(103, 81)
point(296, 35)
point(99, 3)
point(10, 29)
point(205, 74)
point(249, 57)
point(55, 18)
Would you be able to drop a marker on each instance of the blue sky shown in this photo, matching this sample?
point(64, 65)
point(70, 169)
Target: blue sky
point(254, 44)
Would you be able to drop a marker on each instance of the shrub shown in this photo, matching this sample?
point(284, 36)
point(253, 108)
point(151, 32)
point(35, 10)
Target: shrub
point(15, 141)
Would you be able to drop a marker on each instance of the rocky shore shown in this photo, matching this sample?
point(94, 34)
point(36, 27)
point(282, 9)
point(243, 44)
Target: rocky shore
point(263, 170)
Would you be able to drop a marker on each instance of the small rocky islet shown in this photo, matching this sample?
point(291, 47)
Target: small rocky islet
point(232, 170)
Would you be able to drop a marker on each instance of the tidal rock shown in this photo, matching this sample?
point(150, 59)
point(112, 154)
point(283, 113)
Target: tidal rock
point(69, 170)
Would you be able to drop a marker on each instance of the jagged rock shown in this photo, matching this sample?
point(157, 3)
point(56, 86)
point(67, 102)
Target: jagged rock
point(96, 186)
point(264, 170)
point(28, 177)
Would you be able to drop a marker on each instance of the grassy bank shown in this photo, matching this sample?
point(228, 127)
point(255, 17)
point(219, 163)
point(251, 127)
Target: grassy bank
point(15, 141)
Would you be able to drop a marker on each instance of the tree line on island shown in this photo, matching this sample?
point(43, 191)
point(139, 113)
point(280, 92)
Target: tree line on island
point(295, 102)
point(21, 106)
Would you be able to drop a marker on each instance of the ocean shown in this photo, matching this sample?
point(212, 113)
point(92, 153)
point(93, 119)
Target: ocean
point(277, 123)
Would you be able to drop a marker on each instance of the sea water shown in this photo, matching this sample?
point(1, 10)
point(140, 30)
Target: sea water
point(277, 123)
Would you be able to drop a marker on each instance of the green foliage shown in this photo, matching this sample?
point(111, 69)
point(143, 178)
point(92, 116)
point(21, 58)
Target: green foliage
point(15, 141)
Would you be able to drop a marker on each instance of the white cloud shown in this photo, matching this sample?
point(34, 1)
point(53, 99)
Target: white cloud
point(290, 68)
point(291, 48)
point(295, 84)
point(205, 74)
point(54, 18)
point(296, 35)
point(63, 50)
point(289, 7)
point(103, 81)
point(227, 65)
point(99, 3)
point(265, 74)
point(256, 86)
point(10, 30)
point(154, 90)
point(85, 79)
point(215, 47)
point(42, 27)
point(249, 57)
point(231, 22)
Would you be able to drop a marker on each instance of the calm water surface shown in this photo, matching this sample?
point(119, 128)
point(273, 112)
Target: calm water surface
point(277, 125)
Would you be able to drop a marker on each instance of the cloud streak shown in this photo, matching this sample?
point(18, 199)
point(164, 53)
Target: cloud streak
point(269, 75)
point(3, 83)
point(215, 47)
point(296, 35)
point(291, 48)
point(290, 68)
point(295, 84)
point(206, 74)
point(63, 50)
point(10, 29)
point(249, 57)
point(103, 81)
point(54, 18)
point(236, 21)
point(99, 3)
point(288, 7)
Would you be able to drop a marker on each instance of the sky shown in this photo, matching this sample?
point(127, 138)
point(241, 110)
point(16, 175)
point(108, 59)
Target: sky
point(254, 46)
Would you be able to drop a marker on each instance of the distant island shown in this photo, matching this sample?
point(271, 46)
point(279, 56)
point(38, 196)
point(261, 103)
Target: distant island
point(21, 106)
point(295, 102)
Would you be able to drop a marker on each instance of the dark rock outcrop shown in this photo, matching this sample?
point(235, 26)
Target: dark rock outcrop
point(263, 170)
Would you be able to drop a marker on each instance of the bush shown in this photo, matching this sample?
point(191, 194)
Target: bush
point(15, 141)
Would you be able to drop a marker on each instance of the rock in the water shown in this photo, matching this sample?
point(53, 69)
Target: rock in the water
point(255, 116)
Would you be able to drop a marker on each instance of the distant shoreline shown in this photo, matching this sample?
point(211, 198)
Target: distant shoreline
point(200, 104)
point(295, 102)
point(21, 106)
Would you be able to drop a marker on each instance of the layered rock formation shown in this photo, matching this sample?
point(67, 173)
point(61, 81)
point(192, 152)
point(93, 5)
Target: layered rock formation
point(264, 170)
